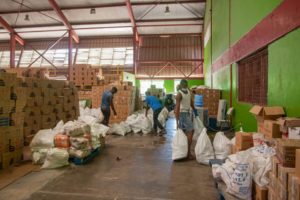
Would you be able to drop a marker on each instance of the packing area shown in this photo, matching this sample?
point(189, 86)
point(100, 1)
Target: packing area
point(153, 111)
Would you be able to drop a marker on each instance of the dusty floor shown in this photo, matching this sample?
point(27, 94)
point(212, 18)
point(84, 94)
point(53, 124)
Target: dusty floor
point(145, 171)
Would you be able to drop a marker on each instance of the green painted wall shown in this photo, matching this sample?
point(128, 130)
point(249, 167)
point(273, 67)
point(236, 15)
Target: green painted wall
point(195, 82)
point(284, 73)
point(169, 86)
point(284, 62)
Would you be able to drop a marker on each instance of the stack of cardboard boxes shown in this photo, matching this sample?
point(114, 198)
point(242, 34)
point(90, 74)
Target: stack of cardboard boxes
point(285, 171)
point(211, 99)
point(243, 141)
point(48, 101)
point(84, 75)
point(266, 120)
point(29, 72)
point(11, 119)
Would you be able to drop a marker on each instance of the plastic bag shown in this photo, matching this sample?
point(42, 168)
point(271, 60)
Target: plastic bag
point(117, 129)
point(90, 120)
point(79, 142)
point(43, 139)
point(146, 125)
point(198, 127)
point(39, 156)
point(179, 145)
point(56, 158)
point(222, 145)
point(204, 150)
point(79, 153)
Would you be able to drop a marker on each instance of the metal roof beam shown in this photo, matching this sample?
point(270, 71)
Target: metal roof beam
point(12, 31)
point(65, 21)
point(107, 5)
point(131, 16)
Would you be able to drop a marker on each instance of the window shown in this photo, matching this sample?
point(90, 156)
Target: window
point(146, 84)
point(59, 57)
point(253, 78)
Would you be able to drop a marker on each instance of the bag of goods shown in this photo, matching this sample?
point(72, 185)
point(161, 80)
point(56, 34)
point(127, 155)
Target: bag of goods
point(79, 153)
point(204, 150)
point(241, 179)
point(39, 156)
point(62, 141)
point(79, 142)
point(43, 139)
point(222, 146)
point(198, 127)
point(146, 125)
point(56, 158)
point(179, 145)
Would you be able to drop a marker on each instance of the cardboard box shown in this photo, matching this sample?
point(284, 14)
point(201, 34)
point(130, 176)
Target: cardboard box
point(294, 133)
point(264, 113)
point(7, 160)
point(273, 179)
point(5, 93)
point(286, 151)
point(271, 129)
point(294, 188)
point(8, 79)
point(286, 122)
point(261, 193)
point(243, 140)
point(281, 191)
point(298, 163)
point(274, 165)
point(283, 174)
point(17, 119)
point(7, 139)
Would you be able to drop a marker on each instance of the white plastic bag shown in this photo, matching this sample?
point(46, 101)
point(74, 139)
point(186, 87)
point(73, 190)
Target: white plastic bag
point(56, 158)
point(117, 129)
point(222, 145)
point(39, 156)
point(204, 150)
point(43, 139)
point(198, 127)
point(179, 145)
point(146, 125)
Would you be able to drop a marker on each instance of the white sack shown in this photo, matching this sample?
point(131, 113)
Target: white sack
point(146, 125)
point(43, 139)
point(79, 153)
point(90, 120)
point(222, 146)
point(99, 130)
point(56, 158)
point(204, 150)
point(258, 139)
point(179, 145)
point(241, 179)
point(39, 156)
point(198, 127)
point(117, 129)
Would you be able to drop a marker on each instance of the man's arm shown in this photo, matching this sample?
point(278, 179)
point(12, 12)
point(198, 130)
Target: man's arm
point(192, 100)
point(112, 106)
point(177, 109)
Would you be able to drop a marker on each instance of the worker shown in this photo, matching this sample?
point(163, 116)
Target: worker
point(184, 102)
point(107, 103)
point(155, 105)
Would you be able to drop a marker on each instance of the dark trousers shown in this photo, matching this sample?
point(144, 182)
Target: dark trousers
point(155, 119)
point(106, 114)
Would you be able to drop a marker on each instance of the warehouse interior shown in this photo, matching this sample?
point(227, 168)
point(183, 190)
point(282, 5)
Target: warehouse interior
point(149, 99)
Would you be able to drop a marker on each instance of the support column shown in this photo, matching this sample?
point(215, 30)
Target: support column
point(70, 55)
point(135, 46)
point(12, 50)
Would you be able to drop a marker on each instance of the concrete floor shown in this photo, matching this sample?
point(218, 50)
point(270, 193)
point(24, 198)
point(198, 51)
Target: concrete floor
point(145, 171)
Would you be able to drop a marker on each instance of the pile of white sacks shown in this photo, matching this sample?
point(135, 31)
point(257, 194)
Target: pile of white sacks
point(138, 122)
point(84, 135)
point(239, 170)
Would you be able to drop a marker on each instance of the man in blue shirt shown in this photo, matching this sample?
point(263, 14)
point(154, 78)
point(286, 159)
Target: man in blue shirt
point(107, 103)
point(155, 105)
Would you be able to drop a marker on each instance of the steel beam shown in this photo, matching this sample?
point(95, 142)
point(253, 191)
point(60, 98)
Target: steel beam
point(141, 77)
point(65, 21)
point(133, 23)
point(7, 27)
point(106, 5)
point(282, 20)
point(12, 50)
point(70, 54)
point(164, 61)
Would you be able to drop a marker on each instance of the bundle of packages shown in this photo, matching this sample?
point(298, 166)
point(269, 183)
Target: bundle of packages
point(80, 139)
point(253, 164)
